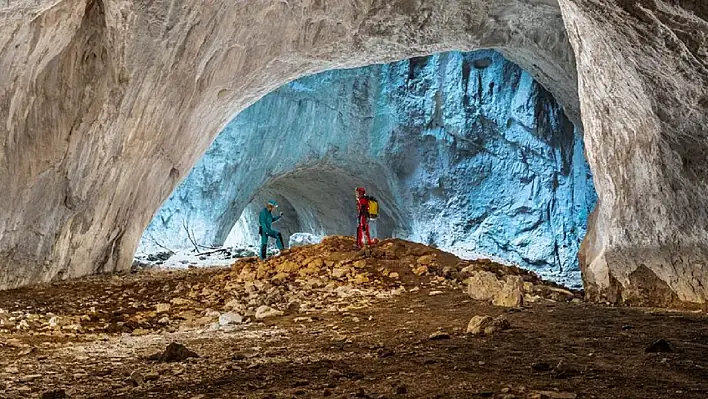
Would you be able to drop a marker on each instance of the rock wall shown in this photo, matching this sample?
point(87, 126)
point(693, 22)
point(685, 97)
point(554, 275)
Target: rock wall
point(644, 100)
point(465, 151)
point(107, 104)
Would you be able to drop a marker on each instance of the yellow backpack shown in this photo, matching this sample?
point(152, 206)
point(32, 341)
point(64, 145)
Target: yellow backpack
point(373, 207)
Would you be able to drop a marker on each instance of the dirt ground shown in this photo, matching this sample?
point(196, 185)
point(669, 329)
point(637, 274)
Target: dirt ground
point(375, 344)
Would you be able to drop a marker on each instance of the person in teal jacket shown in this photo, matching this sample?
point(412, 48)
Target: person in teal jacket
point(265, 229)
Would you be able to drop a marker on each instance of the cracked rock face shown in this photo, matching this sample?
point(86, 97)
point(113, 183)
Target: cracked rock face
point(644, 101)
point(106, 105)
point(464, 151)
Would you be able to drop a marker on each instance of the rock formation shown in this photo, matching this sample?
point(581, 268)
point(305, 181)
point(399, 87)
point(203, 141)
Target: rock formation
point(644, 101)
point(464, 152)
point(107, 104)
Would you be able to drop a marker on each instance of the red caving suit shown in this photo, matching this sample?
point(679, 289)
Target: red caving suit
point(362, 206)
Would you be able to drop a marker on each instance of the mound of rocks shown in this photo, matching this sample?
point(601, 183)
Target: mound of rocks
point(331, 276)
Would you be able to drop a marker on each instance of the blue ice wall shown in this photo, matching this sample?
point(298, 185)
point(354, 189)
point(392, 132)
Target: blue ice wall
point(466, 152)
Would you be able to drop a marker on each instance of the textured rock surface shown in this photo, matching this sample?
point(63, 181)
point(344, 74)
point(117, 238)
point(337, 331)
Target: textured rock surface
point(465, 152)
point(107, 104)
point(644, 100)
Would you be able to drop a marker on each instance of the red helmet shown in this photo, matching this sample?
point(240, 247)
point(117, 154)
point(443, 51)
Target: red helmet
point(361, 190)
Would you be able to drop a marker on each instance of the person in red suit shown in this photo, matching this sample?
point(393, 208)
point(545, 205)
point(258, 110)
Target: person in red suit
point(362, 207)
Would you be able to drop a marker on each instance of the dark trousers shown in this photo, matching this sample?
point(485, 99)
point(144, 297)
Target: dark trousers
point(264, 241)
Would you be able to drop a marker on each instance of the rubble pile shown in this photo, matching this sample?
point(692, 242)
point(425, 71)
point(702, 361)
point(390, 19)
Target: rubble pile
point(331, 276)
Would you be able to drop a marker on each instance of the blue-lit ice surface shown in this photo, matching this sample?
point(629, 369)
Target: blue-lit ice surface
point(465, 151)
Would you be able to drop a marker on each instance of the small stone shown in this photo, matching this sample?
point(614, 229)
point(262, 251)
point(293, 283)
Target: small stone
point(174, 352)
point(137, 378)
point(552, 395)
point(164, 320)
point(294, 308)
point(27, 351)
point(30, 377)
point(230, 318)
point(401, 390)
point(394, 275)
point(660, 346)
point(180, 301)
point(487, 325)
point(152, 376)
point(434, 293)
point(54, 394)
point(339, 272)
point(426, 259)
point(360, 279)
point(12, 370)
point(438, 335)
point(264, 312)
point(541, 366)
point(301, 383)
point(162, 307)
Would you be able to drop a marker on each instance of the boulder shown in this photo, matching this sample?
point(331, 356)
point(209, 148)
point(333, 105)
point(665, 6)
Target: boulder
point(511, 294)
point(483, 285)
point(264, 312)
point(486, 325)
point(486, 286)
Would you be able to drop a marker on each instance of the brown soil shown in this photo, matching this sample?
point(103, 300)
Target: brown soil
point(338, 346)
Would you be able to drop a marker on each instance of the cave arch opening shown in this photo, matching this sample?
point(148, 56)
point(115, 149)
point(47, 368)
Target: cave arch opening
point(466, 151)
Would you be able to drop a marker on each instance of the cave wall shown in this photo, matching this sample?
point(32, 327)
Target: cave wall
point(644, 101)
point(472, 154)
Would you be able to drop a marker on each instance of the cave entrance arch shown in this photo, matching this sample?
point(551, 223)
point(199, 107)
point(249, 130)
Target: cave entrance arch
point(465, 151)
point(157, 85)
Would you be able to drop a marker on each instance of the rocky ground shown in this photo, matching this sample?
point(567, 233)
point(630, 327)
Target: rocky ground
point(396, 320)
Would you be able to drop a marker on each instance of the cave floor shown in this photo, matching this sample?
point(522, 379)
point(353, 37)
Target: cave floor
point(379, 350)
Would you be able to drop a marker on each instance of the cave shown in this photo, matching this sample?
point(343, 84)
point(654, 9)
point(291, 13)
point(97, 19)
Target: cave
point(564, 139)
point(466, 152)
point(121, 101)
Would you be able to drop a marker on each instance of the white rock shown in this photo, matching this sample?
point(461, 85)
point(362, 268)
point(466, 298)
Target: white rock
point(302, 239)
point(264, 312)
point(230, 318)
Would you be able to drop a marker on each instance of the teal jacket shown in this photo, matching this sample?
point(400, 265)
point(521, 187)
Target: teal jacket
point(266, 220)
